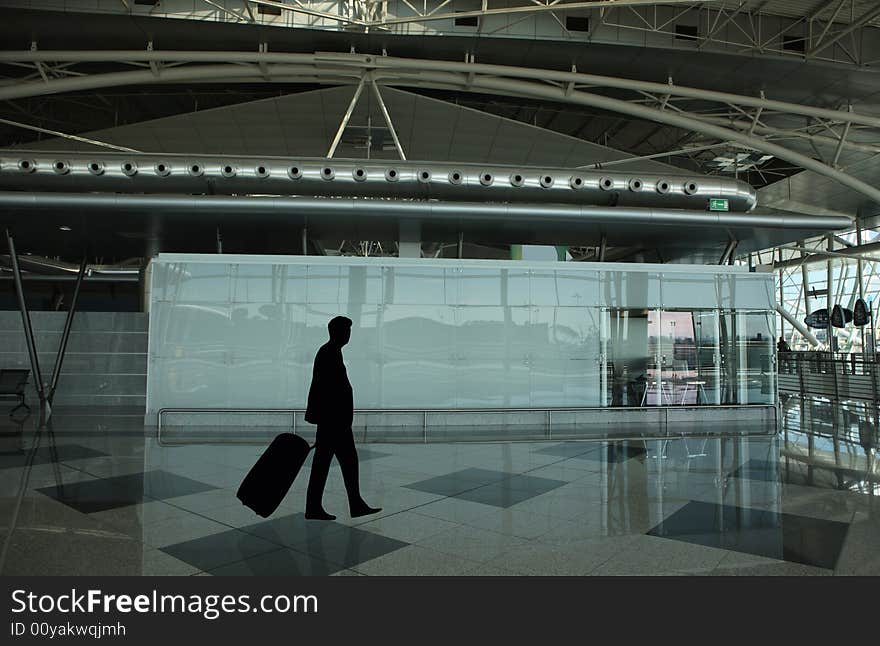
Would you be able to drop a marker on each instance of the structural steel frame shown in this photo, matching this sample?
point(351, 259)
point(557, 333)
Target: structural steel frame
point(737, 119)
point(835, 31)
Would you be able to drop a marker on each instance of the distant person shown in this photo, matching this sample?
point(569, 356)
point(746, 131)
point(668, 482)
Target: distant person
point(782, 345)
point(331, 407)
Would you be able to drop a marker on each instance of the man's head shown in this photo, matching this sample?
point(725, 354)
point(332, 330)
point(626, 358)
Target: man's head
point(340, 330)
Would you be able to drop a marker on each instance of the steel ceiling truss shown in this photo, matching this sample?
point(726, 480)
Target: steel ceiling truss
point(740, 121)
point(830, 33)
point(842, 31)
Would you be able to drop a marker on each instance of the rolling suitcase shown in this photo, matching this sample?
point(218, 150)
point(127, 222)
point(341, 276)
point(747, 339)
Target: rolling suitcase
point(266, 484)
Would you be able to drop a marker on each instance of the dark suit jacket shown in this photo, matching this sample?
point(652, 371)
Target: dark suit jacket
point(331, 401)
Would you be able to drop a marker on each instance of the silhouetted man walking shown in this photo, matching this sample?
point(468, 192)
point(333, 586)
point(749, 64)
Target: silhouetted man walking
point(331, 407)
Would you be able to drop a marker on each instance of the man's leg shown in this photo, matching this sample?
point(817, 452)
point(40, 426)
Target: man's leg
point(318, 478)
point(346, 454)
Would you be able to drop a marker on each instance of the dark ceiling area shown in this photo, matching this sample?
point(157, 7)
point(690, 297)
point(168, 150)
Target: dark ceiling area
point(76, 113)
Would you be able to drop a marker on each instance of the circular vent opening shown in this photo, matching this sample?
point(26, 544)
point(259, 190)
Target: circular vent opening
point(327, 173)
point(129, 168)
point(635, 185)
point(391, 175)
point(228, 171)
point(262, 171)
point(606, 183)
point(294, 172)
point(96, 168)
point(662, 186)
point(691, 188)
point(576, 182)
point(546, 181)
point(163, 169)
point(195, 170)
point(455, 177)
point(424, 176)
point(61, 167)
point(486, 179)
point(360, 174)
point(26, 165)
point(517, 180)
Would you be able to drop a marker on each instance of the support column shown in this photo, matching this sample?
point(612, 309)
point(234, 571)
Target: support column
point(345, 118)
point(829, 299)
point(65, 334)
point(727, 256)
point(860, 273)
point(410, 239)
point(781, 300)
point(144, 278)
point(305, 241)
point(146, 272)
point(26, 324)
point(805, 281)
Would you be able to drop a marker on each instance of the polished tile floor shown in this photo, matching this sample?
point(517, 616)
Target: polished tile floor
point(96, 494)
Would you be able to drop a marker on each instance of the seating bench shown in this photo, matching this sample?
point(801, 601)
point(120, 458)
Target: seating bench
point(12, 384)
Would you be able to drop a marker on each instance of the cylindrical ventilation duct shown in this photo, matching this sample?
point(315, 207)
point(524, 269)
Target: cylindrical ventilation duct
point(175, 174)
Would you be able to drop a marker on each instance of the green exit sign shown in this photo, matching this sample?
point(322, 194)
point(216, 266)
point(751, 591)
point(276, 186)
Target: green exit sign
point(718, 205)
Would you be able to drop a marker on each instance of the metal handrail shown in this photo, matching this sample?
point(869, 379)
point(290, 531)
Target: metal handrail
point(426, 411)
point(844, 374)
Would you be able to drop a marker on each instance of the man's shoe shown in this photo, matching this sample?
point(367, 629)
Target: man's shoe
point(319, 515)
point(366, 510)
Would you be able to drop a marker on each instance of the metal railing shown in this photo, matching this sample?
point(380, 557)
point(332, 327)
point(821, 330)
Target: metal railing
point(426, 412)
point(838, 375)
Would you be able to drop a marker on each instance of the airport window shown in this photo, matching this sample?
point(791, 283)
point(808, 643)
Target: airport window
point(467, 21)
point(577, 23)
point(794, 44)
point(269, 10)
point(686, 32)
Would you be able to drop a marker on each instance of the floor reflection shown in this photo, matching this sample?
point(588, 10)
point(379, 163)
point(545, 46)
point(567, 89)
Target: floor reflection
point(94, 493)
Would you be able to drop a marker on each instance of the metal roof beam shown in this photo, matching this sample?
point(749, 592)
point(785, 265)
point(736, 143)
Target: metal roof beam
point(867, 17)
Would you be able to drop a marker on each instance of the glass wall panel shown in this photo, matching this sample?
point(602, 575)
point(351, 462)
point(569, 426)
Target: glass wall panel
point(707, 360)
point(196, 283)
point(631, 289)
point(748, 369)
point(677, 355)
point(414, 285)
point(477, 286)
point(324, 284)
point(730, 357)
point(515, 287)
point(688, 290)
point(745, 291)
point(556, 287)
point(627, 354)
point(583, 371)
point(690, 357)
point(418, 356)
point(256, 283)
point(190, 329)
point(480, 353)
point(244, 334)
point(295, 278)
point(758, 361)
